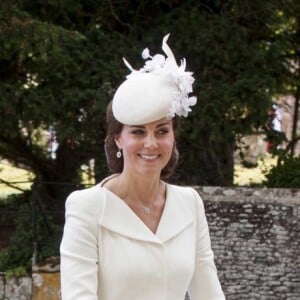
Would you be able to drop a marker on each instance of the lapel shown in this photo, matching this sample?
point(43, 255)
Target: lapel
point(118, 217)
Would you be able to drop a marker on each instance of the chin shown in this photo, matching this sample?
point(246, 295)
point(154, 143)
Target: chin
point(150, 171)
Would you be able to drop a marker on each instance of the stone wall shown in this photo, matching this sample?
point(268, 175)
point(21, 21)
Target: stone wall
point(46, 280)
point(15, 288)
point(255, 236)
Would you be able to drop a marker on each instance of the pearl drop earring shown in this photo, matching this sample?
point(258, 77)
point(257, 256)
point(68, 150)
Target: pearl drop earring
point(119, 154)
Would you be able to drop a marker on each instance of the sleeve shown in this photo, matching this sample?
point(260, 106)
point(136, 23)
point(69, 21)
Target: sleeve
point(78, 250)
point(205, 283)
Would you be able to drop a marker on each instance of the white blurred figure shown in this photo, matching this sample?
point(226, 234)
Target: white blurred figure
point(52, 142)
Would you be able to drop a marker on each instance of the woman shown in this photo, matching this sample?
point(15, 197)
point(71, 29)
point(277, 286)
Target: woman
point(133, 236)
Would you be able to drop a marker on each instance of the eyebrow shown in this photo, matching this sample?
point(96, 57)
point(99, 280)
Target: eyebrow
point(143, 126)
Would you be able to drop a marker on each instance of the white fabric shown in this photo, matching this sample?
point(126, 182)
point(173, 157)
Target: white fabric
point(108, 253)
point(160, 89)
point(143, 99)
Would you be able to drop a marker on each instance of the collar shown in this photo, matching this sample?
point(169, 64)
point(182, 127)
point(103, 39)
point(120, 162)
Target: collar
point(117, 216)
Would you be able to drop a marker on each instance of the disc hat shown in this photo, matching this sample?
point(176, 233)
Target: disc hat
point(160, 89)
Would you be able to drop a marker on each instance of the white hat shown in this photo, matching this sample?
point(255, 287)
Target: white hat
point(160, 89)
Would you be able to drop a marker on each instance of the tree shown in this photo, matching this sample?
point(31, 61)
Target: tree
point(239, 67)
point(52, 76)
point(285, 29)
point(61, 62)
point(289, 29)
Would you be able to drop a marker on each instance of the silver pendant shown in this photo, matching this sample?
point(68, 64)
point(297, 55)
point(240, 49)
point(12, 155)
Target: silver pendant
point(147, 210)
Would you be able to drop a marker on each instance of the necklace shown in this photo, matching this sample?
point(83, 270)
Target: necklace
point(146, 210)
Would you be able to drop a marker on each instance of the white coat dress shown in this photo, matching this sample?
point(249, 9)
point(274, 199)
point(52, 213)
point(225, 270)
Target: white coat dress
point(108, 253)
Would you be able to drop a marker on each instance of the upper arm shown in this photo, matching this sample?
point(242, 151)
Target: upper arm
point(79, 250)
point(205, 283)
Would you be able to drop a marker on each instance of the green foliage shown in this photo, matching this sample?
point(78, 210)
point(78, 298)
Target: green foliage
point(286, 174)
point(16, 272)
point(61, 62)
point(17, 257)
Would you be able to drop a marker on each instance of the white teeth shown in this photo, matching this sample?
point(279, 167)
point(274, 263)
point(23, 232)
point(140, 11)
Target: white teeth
point(149, 156)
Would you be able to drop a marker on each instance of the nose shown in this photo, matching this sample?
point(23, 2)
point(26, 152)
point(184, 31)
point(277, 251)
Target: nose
point(150, 141)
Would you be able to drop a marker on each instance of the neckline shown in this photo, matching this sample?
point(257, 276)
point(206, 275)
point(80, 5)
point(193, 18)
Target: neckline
point(103, 181)
point(130, 210)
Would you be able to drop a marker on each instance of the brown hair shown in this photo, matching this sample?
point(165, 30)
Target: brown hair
point(115, 164)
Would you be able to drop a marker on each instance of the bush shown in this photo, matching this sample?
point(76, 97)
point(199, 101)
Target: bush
point(18, 255)
point(285, 174)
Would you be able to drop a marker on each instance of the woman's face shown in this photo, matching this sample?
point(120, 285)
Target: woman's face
point(146, 148)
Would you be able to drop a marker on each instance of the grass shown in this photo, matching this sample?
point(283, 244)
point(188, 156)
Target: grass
point(16, 176)
point(22, 179)
point(244, 176)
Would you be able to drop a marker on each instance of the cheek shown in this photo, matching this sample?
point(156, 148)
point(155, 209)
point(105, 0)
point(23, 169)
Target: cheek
point(131, 146)
point(168, 145)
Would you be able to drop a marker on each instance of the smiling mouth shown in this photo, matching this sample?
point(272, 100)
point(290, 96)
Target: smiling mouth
point(149, 157)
